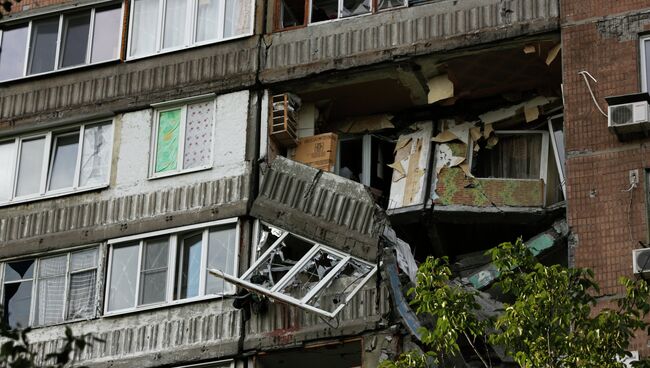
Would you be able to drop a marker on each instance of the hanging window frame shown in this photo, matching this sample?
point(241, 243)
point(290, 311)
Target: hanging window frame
point(27, 61)
point(316, 248)
point(174, 235)
point(36, 278)
point(182, 105)
point(374, 9)
point(543, 164)
point(47, 162)
point(190, 40)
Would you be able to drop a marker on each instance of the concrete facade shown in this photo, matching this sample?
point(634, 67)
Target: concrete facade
point(390, 58)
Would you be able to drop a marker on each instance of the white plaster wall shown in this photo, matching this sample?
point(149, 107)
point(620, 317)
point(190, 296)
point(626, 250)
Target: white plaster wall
point(133, 143)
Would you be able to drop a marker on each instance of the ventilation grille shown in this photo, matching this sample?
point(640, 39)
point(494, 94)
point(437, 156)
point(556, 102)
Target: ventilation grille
point(622, 114)
point(641, 259)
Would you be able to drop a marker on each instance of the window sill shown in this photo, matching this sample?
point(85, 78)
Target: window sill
point(175, 303)
point(51, 195)
point(58, 71)
point(193, 46)
point(175, 173)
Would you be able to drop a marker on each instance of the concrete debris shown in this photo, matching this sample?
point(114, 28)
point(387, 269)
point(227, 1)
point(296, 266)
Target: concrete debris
point(495, 116)
point(366, 124)
point(405, 259)
point(552, 54)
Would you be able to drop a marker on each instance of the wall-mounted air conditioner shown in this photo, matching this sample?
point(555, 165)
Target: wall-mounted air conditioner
point(628, 115)
point(641, 261)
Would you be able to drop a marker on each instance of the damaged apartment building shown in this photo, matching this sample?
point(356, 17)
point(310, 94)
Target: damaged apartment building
point(241, 183)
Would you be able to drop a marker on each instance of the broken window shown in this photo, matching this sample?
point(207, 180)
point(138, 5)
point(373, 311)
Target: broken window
point(55, 162)
point(347, 354)
point(64, 287)
point(60, 41)
point(364, 159)
point(181, 24)
point(515, 155)
point(183, 138)
point(161, 267)
point(304, 273)
point(291, 13)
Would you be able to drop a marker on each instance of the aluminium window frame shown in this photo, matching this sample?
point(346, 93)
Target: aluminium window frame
point(543, 164)
point(36, 258)
point(182, 105)
point(190, 29)
point(172, 264)
point(57, 59)
point(48, 157)
point(274, 291)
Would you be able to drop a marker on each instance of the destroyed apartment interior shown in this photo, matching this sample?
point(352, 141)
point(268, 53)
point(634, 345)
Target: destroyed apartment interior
point(253, 184)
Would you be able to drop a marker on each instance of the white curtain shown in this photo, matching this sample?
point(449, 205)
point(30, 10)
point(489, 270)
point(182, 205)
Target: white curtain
point(6, 177)
point(145, 24)
point(51, 290)
point(207, 20)
point(238, 18)
point(175, 21)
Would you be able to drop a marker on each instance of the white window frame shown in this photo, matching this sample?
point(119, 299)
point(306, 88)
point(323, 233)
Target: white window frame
point(57, 57)
point(543, 165)
point(274, 292)
point(35, 279)
point(48, 157)
point(373, 10)
point(172, 264)
point(182, 105)
point(644, 62)
point(190, 28)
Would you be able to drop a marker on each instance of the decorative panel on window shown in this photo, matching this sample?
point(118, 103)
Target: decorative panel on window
point(49, 290)
point(170, 266)
point(57, 162)
point(60, 41)
point(183, 137)
point(303, 273)
point(167, 25)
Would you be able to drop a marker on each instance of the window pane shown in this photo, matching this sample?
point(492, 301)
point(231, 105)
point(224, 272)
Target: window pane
point(30, 167)
point(341, 286)
point(53, 266)
point(222, 252)
point(96, 155)
point(311, 274)
point(42, 49)
point(124, 272)
point(12, 53)
point(207, 20)
point(106, 35)
point(64, 161)
point(292, 13)
point(385, 4)
point(82, 295)
point(145, 27)
point(167, 145)
point(355, 7)
point(75, 39)
point(237, 18)
point(175, 19)
point(514, 157)
point(279, 262)
point(83, 259)
point(17, 302)
point(189, 267)
point(154, 271)
point(7, 160)
point(198, 135)
point(324, 10)
point(50, 300)
point(20, 270)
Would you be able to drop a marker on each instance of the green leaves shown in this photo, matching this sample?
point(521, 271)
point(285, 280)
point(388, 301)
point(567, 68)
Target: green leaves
point(550, 321)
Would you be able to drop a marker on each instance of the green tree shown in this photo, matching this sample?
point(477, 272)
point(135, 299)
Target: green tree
point(550, 322)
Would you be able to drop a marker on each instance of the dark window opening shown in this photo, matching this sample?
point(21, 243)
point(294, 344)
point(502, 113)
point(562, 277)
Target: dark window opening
point(513, 157)
point(344, 355)
point(322, 10)
point(292, 13)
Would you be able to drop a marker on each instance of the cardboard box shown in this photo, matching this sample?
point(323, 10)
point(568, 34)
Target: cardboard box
point(318, 151)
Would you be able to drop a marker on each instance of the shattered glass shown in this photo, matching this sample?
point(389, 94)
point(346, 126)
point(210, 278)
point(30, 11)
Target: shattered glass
point(355, 7)
point(278, 262)
point(96, 154)
point(124, 274)
point(341, 287)
point(311, 273)
point(386, 4)
point(324, 10)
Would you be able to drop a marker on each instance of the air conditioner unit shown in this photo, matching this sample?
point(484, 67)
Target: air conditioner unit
point(629, 115)
point(641, 261)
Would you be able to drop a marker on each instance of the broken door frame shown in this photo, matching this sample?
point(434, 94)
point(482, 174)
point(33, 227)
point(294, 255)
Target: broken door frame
point(274, 291)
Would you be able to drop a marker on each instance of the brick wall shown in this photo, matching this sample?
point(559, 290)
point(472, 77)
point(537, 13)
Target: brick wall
point(608, 221)
point(25, 5)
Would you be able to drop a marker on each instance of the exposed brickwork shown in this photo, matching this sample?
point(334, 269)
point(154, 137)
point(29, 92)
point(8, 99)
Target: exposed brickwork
point(25, 5)
point(607, 220)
